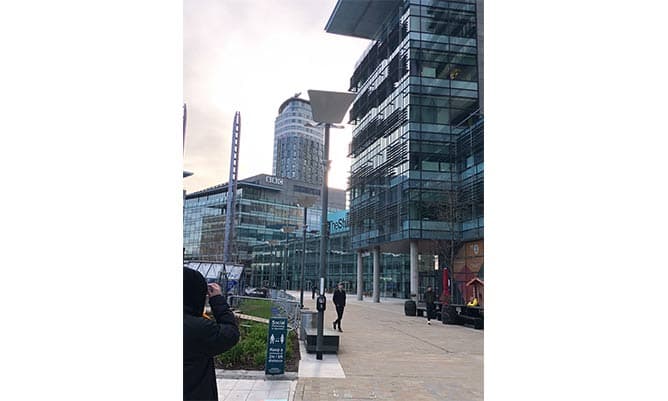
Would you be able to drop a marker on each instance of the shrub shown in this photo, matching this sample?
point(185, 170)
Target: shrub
point(251, 350)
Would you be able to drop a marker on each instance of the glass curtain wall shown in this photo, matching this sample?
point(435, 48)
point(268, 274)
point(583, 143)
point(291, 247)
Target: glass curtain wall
point(272, 264)
point(259, 219)
point(416, 85)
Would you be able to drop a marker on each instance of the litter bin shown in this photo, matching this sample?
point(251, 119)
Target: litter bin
point(410, 309)
point(309, 319)
point(449, 315)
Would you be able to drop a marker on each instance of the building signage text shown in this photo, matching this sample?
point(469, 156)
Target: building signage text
point(338, 222)
point(273, 180)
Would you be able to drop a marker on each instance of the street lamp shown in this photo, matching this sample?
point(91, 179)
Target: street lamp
point(287, 230)
point(328, 108)
point(305, 202)
point(272, 273)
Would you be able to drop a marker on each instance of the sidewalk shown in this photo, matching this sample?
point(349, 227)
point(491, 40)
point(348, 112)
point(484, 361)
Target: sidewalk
point(388, 356)
point(254, 386)
point(383, 355)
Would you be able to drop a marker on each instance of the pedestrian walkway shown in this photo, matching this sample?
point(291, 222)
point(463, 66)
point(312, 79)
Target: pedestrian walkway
point(386, 355)
point(383, 355)
point(310, 366)
point(254, 386)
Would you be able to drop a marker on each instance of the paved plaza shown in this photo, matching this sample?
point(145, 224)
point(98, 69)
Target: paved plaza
point(383, 355)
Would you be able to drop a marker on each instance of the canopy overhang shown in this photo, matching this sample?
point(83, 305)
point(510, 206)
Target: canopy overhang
point(360, 18)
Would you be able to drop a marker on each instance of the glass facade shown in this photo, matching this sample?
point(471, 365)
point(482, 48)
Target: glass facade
point(257, 220)
point(298, 149)
point(264, 206)
point(417, 169)
point(279, 266)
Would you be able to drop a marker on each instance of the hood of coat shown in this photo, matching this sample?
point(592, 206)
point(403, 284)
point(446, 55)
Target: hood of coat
point(194, 292)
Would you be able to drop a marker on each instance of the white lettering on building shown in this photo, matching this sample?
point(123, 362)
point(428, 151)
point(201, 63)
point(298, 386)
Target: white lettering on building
point(274, 180)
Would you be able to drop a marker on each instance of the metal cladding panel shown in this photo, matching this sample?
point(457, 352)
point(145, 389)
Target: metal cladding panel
point(330, 107)
point(360, 18)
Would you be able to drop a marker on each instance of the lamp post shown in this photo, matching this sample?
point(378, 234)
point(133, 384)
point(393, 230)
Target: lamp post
point(287, 230)
point(305, 202)
point(272, 273)
point(328, 108)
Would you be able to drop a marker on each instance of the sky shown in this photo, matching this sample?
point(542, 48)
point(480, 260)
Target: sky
point(250, 56)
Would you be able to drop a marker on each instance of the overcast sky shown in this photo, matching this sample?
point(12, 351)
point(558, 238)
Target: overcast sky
point(250, 56)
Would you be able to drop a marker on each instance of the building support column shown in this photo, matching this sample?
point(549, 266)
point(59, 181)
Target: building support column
point(360, 276)
point(376, 274)
point(414, 270)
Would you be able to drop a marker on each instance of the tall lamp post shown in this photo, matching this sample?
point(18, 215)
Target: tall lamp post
point(305, 202)
point(328, 108)
point(287, 230)
point(272, 272)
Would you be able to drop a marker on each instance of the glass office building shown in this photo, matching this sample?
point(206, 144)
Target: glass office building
point(298, 149)
point(265, 211)
point(416, 184)
point(279, 266)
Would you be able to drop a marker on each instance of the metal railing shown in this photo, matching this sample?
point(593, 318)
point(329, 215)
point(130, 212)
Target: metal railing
point(279, 304)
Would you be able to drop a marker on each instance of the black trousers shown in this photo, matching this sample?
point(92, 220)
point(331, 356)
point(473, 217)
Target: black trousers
point(339, 315)
point(431, 308)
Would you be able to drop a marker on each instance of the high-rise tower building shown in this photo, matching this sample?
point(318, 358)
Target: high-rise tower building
point(416, 183)
point(297, 148)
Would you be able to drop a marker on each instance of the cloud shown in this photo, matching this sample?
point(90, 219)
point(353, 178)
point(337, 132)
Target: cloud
point(250, 56)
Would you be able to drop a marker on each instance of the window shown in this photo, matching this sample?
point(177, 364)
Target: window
point(428, 71)
point(429, 166)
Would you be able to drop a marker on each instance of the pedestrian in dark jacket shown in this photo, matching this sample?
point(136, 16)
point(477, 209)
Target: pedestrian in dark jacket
point(429, 299)
point(203, 338)
point(339, 299)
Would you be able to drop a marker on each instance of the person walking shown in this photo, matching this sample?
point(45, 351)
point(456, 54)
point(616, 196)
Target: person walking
point(314, 289)
point(429, 299)
point(203, 338)
point(339, 299)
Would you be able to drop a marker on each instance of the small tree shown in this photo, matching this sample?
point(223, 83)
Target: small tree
point(448, 209)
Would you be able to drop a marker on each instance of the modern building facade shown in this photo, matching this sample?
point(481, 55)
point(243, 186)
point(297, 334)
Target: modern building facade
point(279, 265)
point(266, 211)
point(416, 184)
point(298, 149)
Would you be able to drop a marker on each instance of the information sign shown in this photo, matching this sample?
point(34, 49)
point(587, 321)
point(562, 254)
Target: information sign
point(277, 337)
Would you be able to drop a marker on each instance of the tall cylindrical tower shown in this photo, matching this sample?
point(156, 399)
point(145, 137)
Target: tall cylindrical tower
point(297, 148)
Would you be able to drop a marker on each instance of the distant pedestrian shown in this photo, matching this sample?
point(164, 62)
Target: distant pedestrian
point(313, 294)
point(429, 299)
point(203, 338)
point(339, 299)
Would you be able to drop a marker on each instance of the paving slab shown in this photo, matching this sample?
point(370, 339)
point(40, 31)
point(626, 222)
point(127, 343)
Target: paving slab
point(385, 355)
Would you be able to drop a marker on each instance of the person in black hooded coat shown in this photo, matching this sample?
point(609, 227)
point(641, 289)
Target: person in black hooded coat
point(204, 338)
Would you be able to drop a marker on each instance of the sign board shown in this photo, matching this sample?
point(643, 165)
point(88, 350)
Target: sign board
point(277, 337)
point(338, 221)
point(273, 180)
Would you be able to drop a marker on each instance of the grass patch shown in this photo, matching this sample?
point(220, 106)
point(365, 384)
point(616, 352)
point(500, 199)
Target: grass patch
point(256, 307)
point(251, 351)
